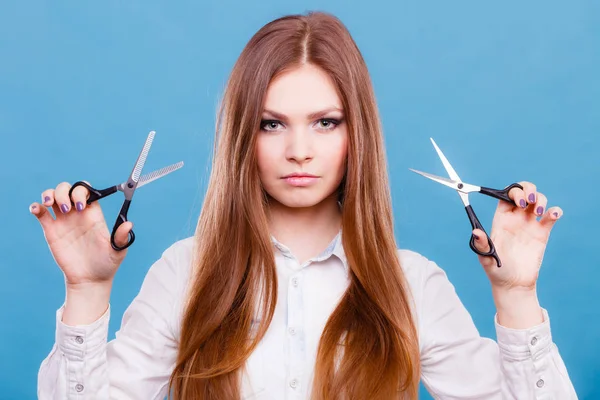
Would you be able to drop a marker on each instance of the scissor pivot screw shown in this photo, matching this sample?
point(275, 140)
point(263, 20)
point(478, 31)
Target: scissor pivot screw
point(460, 185)
point(130, 185)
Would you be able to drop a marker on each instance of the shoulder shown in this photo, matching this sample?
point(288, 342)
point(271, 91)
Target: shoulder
point(179, 256)
point(180, 251)
point(418, 268)
point(174, 265)
point(415, 266)
point(425, 278)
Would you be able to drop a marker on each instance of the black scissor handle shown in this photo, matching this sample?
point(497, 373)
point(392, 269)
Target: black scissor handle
point(475, 224)
point(120, 219)
point(501, 194)
point(95, 194)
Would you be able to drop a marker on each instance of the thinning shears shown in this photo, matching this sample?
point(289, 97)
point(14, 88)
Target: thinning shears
point(128, 188)
point(463, 190)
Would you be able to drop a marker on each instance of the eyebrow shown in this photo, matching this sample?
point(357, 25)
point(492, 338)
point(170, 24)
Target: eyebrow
point(311, 116)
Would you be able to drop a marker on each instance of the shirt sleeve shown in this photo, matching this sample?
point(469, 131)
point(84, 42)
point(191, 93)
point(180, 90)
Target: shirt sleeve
point(457, 363)
point(137, 364)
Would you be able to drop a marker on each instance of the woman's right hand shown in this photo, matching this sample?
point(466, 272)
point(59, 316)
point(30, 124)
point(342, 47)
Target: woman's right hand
point(78, 237)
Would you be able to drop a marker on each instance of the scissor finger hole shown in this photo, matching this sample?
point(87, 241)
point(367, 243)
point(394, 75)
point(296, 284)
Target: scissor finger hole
point(79, 197)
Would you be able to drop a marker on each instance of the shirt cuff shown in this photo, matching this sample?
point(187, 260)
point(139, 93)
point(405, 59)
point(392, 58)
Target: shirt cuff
point(521, 344)
point(75, 341)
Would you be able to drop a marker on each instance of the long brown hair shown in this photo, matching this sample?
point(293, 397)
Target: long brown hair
point(369, 346)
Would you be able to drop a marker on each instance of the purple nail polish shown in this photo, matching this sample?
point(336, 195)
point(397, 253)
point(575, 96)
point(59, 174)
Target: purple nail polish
point(79, 206)
point(523, 203)
point(540, 210)
point(532, 198)
point(64, 208)
point(46, 199)
point(555, 214)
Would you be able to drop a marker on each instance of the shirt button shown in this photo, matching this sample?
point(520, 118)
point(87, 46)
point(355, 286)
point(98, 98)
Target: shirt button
point(540, 383)
point(79, 387)
point(292, 331)
point(295, 282)
point(79, 339)
point(294, 383)
point(534, 341)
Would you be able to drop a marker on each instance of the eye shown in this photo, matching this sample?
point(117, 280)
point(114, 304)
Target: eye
point(270, 125)
point(328, 124)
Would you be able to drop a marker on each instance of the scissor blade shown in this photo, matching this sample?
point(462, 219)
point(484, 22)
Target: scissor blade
point(461, 187)
point(451, 172)
point(139, 164)
point(159, 173)
point(444, 181)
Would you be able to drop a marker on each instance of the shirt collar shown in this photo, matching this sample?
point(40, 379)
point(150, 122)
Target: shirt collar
point(335, 248)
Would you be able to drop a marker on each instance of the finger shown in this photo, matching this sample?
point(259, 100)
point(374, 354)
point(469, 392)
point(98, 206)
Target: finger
point(540, 204)
point(552, 215)
point(42, 214)
point(48, 201)
point(530, 192)
point(48, 197)
point(518, 196)
point(79, 196)
point(122, 233)
point(61, 197)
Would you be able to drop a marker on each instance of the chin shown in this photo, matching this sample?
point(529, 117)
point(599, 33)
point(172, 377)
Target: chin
point(297, 200)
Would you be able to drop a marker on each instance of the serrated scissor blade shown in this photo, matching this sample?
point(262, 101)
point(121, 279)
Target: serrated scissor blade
point(139, 164)
point(159, 173)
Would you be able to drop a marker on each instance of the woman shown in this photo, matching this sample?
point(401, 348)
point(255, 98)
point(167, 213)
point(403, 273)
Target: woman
point(292, 286)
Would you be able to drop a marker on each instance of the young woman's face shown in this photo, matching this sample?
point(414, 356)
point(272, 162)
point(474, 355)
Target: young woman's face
point(302, 133)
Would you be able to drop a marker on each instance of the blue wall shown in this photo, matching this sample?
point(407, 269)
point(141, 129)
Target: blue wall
point(509, 90)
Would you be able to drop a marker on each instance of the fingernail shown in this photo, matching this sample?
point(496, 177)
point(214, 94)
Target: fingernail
point(523, 203)
point(532, 198)
point(32, 208)
point(64, 208)
point(79, 206)
point(556, 214)
point(46, 199)
point(540, 210)
point(476, 237)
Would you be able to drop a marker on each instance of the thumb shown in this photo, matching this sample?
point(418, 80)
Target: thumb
point(482, 244)
point(122, 233)
point(481, 241)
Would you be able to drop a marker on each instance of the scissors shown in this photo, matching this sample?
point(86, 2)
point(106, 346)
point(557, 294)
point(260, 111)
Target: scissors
point(128, 188)
point(463, 190)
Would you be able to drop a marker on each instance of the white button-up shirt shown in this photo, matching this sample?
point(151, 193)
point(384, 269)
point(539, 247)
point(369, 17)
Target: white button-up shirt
point(456, 362)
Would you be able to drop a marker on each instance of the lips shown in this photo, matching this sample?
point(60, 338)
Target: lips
point(300, 175)
point(300, 179)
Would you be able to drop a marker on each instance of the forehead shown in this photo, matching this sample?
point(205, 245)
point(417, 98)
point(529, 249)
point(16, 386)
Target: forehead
point(301, 91)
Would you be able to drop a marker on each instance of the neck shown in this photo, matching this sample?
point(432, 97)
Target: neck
point(305, 231)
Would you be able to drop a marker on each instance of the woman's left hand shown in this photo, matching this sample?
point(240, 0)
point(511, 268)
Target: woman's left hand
point(520, 239)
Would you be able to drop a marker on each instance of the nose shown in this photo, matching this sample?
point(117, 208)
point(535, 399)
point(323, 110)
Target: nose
point(299, 146)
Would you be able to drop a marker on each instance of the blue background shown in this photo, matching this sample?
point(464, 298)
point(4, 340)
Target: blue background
point(509, 90)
